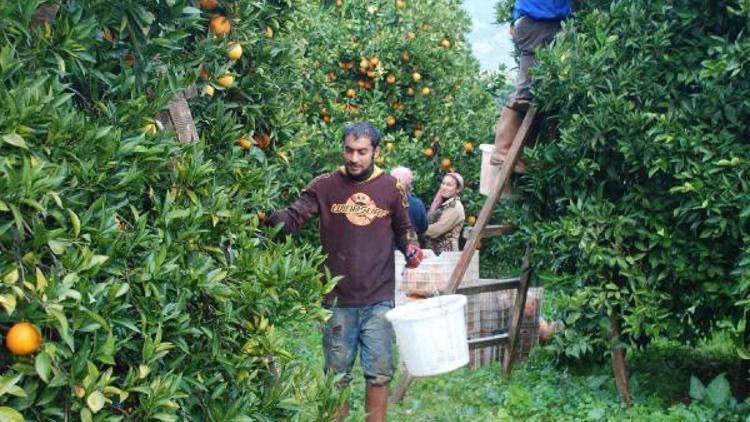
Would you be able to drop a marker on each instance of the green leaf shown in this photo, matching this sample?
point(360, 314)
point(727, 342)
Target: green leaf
point(86, 415)
point(7, 382)
point(8, 301)
point(165, 417)
point(75, 221)
point(743, 353)
point(11, 277)
point(697, 390)
point(57, 246)
point(15, 139)
point(41, 280)
point(95, 260)
point(43, 365)
point(8, 414)
point(718, 391)
point(95, 401)
point(62, 328)
point(4, 206)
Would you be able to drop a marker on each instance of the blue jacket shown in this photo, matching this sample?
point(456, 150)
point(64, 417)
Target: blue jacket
point(542, 9)
point(417, 215)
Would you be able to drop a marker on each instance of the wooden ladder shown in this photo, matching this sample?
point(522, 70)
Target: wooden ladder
point(480, 230)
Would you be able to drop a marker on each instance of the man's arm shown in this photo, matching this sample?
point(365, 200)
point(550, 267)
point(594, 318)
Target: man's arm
point(294, 216)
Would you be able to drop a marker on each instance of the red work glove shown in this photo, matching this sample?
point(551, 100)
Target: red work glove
point(414, 256)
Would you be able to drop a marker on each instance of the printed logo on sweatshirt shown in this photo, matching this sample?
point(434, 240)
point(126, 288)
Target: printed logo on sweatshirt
point(359, 209)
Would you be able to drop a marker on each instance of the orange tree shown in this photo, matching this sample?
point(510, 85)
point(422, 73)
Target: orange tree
point(405, 66)
point(139, 258)
point(640, 204)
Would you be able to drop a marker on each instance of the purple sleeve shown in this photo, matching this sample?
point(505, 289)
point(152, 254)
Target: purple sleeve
point(294, 216)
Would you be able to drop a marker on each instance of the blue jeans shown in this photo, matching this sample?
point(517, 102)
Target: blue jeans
point(364, 329)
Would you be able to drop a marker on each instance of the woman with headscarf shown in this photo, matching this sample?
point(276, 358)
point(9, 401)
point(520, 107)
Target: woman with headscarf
point(446, 215)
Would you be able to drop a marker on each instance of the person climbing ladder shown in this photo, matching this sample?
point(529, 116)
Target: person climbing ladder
point(535, 23)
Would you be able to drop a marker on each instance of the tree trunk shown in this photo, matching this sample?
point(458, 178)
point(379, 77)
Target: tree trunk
point(618, 359)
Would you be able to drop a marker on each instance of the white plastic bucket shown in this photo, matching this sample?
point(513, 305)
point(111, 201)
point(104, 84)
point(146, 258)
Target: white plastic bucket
point(431, 334)
point(488, 173)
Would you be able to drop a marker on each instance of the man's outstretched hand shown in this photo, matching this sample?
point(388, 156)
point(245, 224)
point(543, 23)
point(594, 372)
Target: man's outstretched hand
point(414, 256)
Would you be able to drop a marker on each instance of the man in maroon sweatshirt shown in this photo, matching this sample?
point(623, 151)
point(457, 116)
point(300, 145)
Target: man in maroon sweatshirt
point(363, 213)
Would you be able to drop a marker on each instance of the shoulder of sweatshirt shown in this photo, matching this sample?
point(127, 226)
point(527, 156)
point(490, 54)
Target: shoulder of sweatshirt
point(320, 179)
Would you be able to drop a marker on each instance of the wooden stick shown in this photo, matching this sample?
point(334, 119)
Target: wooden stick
point(398, 394)
point(518, 308)
point(489, 204)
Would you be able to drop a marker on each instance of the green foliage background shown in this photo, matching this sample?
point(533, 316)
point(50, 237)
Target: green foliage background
point(648, 216)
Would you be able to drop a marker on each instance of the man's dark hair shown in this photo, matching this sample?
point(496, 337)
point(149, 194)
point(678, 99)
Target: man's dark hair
point(362, 130)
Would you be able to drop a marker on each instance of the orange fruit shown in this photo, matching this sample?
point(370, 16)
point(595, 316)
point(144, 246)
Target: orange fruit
point(364, 64)
point(245, 143)
point(23, 339)
point(471, 220)
point(405, 56)
point(425, 27)
point(411, 35)
point(361, 83)
point(410, 91)
point(370, 73)
point(330, 77)
point(390, 121)
point(351, 92)
point(468, 147)
point(379, 160)
point(400, 4)
point(446, 163)
point(374, 61)
point(390, 79)
point(108, 36)
point(339, 3)
point(445, 43)
point(269, 32)
point(220, 25)
point(428, 151)
point(226, 81)
point(417, 133)
point(208, 4)
point(262, 140)
point(261, 217)
point(368, 85)
point(208, 90)
point(234, 52)
point(416, 77)
point(426, 90)
point(390, 146)
point(327, 119)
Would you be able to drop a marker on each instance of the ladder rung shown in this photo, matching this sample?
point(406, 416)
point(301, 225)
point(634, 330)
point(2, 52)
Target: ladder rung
point(490, 285)
point(477, 343)
point(491, 230)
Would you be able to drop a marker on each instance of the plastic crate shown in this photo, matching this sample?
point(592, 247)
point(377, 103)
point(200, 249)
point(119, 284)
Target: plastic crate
point(434, 272)
point(495, 317)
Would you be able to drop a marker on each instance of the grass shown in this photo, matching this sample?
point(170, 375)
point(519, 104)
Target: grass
point(541, 390)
